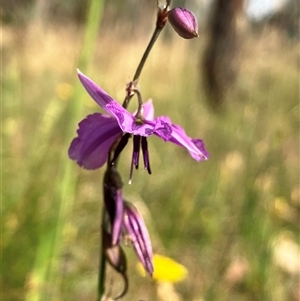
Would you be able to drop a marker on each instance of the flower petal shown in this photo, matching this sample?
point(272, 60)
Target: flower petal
point(194, 146)
point(148, 110)
point(98, 94)
point(146, 155)
point(106, 102)
point(163, 127)
point(165, 269)
point(200, 145)
point(125, 119)
point(146, 129)
point(96, 134)
point(139, 236)
point(128, 124)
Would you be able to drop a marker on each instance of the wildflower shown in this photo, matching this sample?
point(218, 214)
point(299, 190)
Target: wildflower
point(184, 22)
point(97, 132)
point(165, 269)
point(138, 235)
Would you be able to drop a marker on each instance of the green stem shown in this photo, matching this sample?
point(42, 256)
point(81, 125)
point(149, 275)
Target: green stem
point(102, 267)
point(161, 20)
point(146, 53)
point(140, 67)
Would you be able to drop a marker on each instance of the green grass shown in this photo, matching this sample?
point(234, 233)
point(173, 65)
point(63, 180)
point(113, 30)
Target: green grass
point(207, 216)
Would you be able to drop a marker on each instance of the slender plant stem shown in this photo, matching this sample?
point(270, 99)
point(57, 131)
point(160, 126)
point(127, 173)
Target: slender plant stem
point(162, 17)
point(146, 53)
point(102, 264)
point(143, 60)
point(102, 268)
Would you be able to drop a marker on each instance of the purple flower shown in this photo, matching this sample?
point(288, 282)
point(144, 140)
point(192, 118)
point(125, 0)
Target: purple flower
point(138, 235)
point(97, 132)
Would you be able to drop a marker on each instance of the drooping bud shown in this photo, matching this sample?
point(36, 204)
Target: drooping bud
point(138, 235)
point(184, 22)
point(113, 200)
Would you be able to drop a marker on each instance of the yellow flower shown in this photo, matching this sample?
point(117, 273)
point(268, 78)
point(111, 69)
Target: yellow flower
point(165, 269)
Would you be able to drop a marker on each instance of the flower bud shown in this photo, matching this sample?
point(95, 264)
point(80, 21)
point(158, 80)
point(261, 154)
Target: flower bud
point(184, 22)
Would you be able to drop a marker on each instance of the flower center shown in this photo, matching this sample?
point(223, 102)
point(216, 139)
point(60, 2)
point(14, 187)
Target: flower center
point(139, 120)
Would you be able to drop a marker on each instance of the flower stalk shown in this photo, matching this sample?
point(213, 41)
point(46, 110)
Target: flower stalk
point(155, 35)
point(162, 17)
point(102, 265)
point(101, 139)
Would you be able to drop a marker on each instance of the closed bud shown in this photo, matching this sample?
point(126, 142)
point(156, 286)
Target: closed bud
point(184, 22)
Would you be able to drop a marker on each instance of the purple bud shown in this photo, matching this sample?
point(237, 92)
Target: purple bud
point(138, 235)
point(184, 22)
point(113, 200)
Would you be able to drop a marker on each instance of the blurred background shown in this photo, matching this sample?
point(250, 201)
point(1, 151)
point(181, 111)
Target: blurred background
point(232, 221)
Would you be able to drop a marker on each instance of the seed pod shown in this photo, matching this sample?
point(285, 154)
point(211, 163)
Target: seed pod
point(184, 22)
point(114, 254)
point(113, 200)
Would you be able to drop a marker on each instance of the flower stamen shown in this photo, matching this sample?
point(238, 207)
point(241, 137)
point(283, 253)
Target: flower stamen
point(135, 155)
point(123, 142)
point(136, 151)
point(146, 155)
